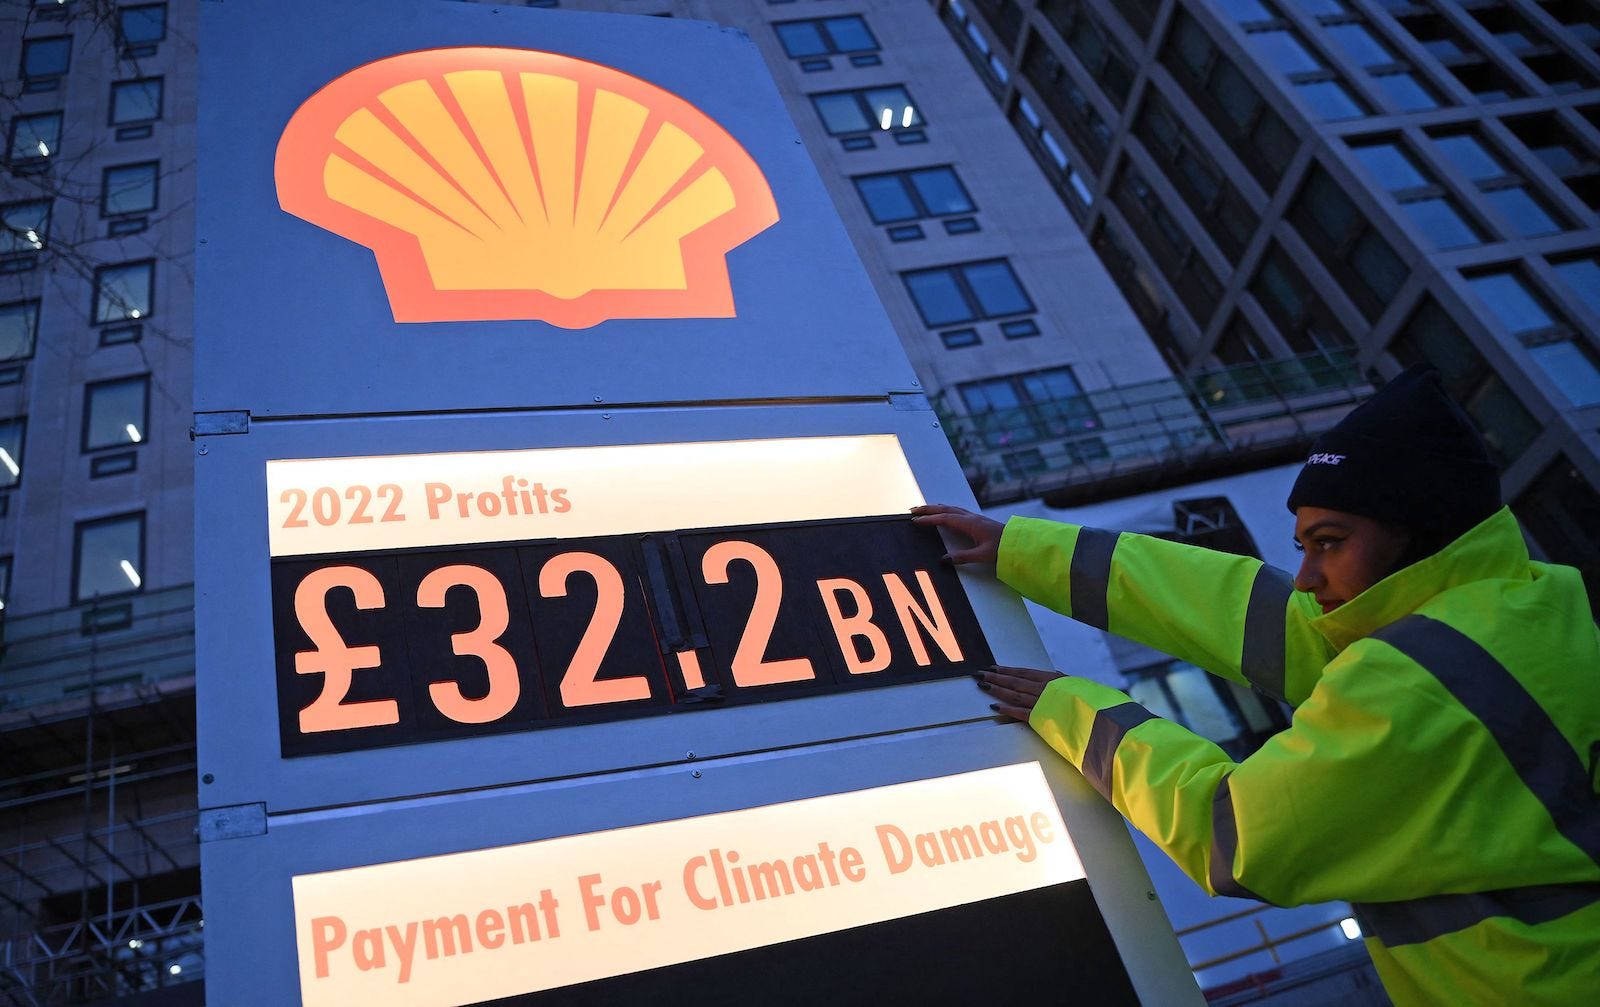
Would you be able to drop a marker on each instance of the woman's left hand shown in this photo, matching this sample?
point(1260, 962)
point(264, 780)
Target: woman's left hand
point(1016, 690)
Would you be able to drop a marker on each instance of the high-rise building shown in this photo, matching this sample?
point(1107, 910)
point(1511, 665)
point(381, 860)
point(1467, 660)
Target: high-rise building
point(1186, 239)
point(1376, 181)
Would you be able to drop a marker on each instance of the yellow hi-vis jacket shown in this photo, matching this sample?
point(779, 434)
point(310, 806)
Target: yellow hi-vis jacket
point(1439, 773)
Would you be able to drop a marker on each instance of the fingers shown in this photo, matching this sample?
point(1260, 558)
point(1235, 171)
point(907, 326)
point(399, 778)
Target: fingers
point(1016, 691)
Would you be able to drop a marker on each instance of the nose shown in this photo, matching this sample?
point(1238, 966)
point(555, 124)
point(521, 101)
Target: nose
point(1309, 578)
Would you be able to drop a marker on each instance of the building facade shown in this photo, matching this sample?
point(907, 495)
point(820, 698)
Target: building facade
point(1378, 181)
point(1187, 239)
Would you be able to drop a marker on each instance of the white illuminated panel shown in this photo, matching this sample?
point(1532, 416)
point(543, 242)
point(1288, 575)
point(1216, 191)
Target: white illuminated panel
point(468, 927)
point(344, 505)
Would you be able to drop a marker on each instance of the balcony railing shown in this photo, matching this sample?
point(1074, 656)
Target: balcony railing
point(136, 640)
point(1176, 425)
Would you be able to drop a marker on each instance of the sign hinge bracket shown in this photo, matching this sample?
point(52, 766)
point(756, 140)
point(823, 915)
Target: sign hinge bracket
point(909, 402)
point(237, 821)
point(213, 424)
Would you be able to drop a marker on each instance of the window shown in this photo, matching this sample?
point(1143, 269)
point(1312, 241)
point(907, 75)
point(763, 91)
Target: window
point(1209, 193)
point(1168, 244)
point(873, 109)
point(19, 324)
point(142, 26)
point(44, 59)
point(1429, 205)
point(969, 292)
point(108, 557)
point(1021, 408)
point(130, 188)
point(1406, 92)
point(1005, 20)
point(11, 437)
point(24, 227)
point(1548, 138)
point(913, 195)
point(116, 413)
point(1307, 325)
point(1261, 139)
point(1511, 303)
point(1100, 57)
point(1330, 100)
point(136, 101)
point(1561, 352)
point(1050, 155)
point(1072, 108)
point(1582, 277)
point(826, 36)
point(1524, 213)
point(1365, 265)
point(34, 138)
point(123, 292)
point(1431, 335)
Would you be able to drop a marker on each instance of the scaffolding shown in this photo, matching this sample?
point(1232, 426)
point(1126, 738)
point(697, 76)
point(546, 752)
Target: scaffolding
point(99, 859)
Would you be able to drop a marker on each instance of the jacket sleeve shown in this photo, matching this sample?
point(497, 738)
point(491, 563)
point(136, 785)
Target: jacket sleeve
point(1330, 808)
point(1232, 615)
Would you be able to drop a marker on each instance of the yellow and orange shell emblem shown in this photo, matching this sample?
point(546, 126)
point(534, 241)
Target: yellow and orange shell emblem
point(514, 184)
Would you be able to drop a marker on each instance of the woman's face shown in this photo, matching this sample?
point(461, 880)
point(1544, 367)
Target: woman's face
point(1344, 554)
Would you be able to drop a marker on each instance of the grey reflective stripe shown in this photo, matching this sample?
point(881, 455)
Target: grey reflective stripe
point(1091, 574)
point(1110, 725)
point(1262, 657)
point(1420, 920)
point(1224, 843)
point(1535, 747)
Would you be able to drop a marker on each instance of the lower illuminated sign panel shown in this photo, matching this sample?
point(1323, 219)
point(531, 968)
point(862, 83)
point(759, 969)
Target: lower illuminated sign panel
point(428, 644)
point(502, 923)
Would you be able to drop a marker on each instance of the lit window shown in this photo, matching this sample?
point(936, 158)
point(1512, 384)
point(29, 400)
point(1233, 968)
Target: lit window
point(868, 110)
point(43, 58)
point(116, 413)
point(24, 226)
point(826, 36)
point(142, 25)
point(11, 438)
point(34, 137)
point(123, 293)
point(951, 295)
point(130, 188)
point(135, 101)
point(108, 557)
point(19, 324)
point(913, 195)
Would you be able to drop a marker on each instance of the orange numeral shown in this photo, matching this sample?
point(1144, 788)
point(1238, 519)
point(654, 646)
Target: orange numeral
point(493, 618)
point(578, 685)
point(750, 666)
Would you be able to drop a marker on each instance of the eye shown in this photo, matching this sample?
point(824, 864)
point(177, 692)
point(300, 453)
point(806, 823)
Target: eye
point(1298, 547)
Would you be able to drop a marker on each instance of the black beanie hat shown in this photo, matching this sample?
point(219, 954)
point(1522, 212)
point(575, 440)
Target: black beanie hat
point(1407, 457)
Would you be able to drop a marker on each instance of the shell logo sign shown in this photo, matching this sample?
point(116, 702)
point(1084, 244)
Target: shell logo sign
point(515, 184)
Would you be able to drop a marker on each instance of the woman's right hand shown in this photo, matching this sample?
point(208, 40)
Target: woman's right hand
point(984, 532)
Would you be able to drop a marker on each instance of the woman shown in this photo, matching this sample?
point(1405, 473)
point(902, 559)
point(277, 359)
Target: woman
point(1441, 769)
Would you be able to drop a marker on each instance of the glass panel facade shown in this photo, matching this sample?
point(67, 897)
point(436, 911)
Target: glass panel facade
point(143, 24)
point(1582, 277)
